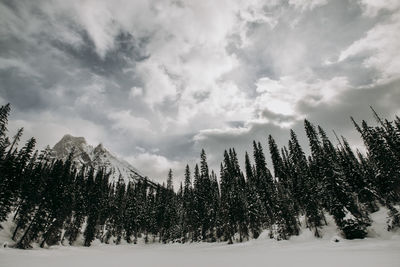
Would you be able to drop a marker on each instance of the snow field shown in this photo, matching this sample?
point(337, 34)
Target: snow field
point(380, 249)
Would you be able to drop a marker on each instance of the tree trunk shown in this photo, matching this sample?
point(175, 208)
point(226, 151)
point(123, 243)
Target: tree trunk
point(15, 232)
point(25, 233)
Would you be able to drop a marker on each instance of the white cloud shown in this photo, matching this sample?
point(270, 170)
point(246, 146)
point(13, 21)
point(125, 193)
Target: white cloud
point(135, 92)
point(372, 7)
point(99, 23)
point(48, 130)
point(307, 4)
point(188, 58)
point(125, 121)
point(95, 17)
point(281, 96)
point(156, 166)
point(204, 134)
point(187, 48)
point(140, 149)
point(380, 48)
point(157, 84)
point(222, 102)
point(92, 95)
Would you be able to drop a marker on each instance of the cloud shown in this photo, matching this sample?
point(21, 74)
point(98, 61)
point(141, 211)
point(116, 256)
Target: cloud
point(156, 166)
point(157, 84)
point(23, 68)
point(379, 49)
point(136, 92)
point(336, 117)
point(215, 141)
point(283, 95)
point(373, 7)
point(50, 123)
point(307, 4)
point(156, 81)
point(131, 125)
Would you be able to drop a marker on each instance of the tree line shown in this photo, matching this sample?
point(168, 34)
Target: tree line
point(52, 201)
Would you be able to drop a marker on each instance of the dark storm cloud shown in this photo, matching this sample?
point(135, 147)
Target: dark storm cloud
point(127, 50)
point(61, 64)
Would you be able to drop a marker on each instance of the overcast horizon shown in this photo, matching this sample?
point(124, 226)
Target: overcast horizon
point(156, 81)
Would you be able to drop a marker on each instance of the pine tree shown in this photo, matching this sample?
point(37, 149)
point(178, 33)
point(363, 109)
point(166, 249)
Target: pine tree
point(305, 186)
point(197, 204)
point(93, 200)
point(387, 175)
point(285, 216)
point(4, 142)
point(215, 207)
point(13, 169)
point(119, 210)
point(342, 204)
point(27, 195)
point(151, 208)
point(130, 214)
point(264, 183)
point(170, 215)
point(187, 224)
point(227, 200)
point(277, 162)
point(52, 198)
point(240, 201)
point(79, 208)
point(205, 197)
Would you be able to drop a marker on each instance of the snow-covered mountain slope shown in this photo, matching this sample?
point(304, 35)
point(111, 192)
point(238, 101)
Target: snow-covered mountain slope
point(97, 157)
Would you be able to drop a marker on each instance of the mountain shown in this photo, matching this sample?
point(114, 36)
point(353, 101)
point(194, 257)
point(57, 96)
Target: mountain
point(96, 157)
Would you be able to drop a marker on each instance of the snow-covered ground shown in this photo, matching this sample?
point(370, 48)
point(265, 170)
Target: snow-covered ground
point(370, 252)
point(380, 249)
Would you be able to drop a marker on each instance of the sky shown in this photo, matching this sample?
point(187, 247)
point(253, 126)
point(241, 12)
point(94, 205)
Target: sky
point(156, 81)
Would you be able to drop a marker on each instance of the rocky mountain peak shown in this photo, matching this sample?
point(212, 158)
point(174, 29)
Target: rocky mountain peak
point(100, 149)
point(96, 157)
point(69, 139)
